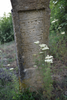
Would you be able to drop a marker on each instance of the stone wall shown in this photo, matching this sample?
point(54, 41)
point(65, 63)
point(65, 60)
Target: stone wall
point(31, 20)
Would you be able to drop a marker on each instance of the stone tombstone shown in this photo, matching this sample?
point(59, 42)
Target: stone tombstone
point(31, 21)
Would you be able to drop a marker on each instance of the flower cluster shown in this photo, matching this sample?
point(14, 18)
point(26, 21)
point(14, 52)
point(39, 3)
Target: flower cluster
point(44, 69)
point(55, 20)
point(44, 47)
point(37, 42)
point(11, 68)
point(49, 59)
point(62, 32)
point(59, 27)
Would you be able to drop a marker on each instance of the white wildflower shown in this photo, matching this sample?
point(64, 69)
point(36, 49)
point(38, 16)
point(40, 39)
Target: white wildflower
point(37, 42)
point(49, 57)
point(8, 64)
point(59, 27)
point(42, 45)
point(11, 68)
point(49, 61)
point(35, 65)
point(55, 20)
point(62, 32)
point(41, 52)
point(45, 48)
point(55, 2)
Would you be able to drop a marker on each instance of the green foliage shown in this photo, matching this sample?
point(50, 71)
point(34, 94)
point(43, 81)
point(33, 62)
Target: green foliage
point(59, 11)
point(9, 89)
point(58, 41)
point(58, 48)
point(26, 95)
point(6, 29)
point(58, 19)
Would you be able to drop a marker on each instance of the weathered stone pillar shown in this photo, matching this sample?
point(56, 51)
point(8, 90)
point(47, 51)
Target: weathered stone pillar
point(31, 20)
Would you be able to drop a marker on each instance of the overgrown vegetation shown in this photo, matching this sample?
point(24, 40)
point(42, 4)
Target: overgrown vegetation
point(55, 89)
point(58, 29)
point(58, 15)
point(9, 89)
point(6, 29)
point(58, 91)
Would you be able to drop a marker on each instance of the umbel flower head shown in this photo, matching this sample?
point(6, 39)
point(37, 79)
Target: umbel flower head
point(55, 20)
point(43, 46)
point(59, 27)
point(11, 68)
point(49, 59)
point(37, 42)
point(41, 52)
point(62, 32)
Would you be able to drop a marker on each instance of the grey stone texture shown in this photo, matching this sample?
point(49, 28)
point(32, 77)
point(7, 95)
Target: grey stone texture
point(31, 20)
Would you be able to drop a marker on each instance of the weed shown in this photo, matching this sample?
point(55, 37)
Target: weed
point(58, 48)
point(8, 89)
point(43, 63)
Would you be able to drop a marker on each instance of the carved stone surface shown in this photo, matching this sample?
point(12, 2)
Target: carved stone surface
point(31, 20)
point(31, 29)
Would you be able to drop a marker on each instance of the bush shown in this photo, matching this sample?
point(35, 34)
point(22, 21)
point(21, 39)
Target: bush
point(58, 15)
point(6, 29)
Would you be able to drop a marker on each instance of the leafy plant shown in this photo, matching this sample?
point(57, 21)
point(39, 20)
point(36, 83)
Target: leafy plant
point(26, 95)
point(6, 29)
point(59, 12)
point(8, 89)
point(44, 68)
point(58, 48)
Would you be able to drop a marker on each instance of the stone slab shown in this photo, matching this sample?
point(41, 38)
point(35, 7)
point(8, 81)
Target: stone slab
point(22, 5)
